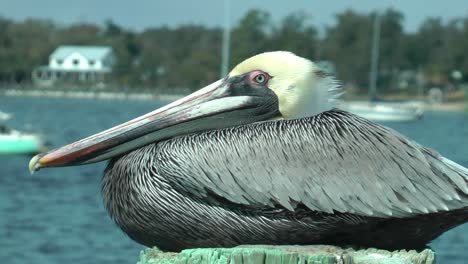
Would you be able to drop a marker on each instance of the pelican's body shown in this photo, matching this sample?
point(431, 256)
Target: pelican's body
point(211, 189)
point(219, 169)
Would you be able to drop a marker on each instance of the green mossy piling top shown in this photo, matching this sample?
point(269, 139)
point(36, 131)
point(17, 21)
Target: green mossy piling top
point(319, 254)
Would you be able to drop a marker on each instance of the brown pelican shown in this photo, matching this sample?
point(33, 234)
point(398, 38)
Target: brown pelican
point(262, 157)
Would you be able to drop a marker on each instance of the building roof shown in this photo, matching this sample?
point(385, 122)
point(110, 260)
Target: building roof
point(89, 52)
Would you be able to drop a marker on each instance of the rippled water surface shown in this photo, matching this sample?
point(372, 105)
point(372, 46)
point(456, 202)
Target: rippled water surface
point(57, 215)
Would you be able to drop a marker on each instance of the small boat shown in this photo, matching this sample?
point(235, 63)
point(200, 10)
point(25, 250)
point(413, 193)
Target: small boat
point(16, 142)
point(386, 111)
point(376, 109)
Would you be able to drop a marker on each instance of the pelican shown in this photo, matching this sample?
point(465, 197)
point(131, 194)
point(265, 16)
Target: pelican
point(262, 156)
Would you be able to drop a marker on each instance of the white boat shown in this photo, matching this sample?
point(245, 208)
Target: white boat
point(380, 110)
point(386, 111)
point(16, 142)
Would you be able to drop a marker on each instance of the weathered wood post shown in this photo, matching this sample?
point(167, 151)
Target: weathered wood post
point(319, 254)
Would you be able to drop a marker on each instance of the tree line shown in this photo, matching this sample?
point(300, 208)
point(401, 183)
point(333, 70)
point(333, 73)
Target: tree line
point(189, 56)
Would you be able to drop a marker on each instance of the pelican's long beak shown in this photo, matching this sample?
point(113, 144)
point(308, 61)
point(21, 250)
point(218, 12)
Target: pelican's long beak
point(211, 107)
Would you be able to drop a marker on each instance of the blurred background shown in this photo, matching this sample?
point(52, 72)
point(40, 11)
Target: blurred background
point(69, 69)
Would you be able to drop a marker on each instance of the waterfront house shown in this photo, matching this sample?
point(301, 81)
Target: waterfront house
point(76, 64)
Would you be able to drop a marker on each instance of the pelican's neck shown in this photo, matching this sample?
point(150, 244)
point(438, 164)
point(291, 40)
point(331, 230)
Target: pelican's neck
point(328, 92)
point(324, 93)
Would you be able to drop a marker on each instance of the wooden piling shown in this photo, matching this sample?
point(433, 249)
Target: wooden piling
point(260, 254)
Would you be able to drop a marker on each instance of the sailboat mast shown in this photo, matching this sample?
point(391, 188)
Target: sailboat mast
point(225, 50)
point(374, 57)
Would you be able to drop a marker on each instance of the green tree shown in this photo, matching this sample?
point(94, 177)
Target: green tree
point(348, 45)
point(80, 34)
point(188, 56)
point(293, 34)
point(23, 46)
point(250, 37)
point(457, 43)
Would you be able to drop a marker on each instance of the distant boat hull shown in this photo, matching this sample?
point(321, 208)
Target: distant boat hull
point(386, 112)
point(4, 116)
point(20, 143)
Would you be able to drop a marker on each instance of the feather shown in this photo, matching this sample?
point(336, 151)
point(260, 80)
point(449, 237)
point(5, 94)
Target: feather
point(333, 161)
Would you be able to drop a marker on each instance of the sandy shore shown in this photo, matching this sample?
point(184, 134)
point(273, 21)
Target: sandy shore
point(447, 107)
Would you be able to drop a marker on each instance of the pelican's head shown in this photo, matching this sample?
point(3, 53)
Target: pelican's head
point(267, 86)
point(300, 87)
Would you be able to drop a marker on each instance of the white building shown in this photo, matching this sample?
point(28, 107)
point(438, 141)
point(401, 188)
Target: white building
point(76, 64)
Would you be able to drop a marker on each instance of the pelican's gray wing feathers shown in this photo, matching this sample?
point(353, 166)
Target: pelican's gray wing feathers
point(334, 161)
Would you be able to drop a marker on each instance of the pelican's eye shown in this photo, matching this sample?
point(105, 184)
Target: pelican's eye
point(259, 77)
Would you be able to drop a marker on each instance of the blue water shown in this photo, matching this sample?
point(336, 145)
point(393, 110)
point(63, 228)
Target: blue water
point(57, 215)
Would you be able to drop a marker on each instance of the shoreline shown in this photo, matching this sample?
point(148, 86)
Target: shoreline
point(457, 106)
point(99, 95)
point(146, 96)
